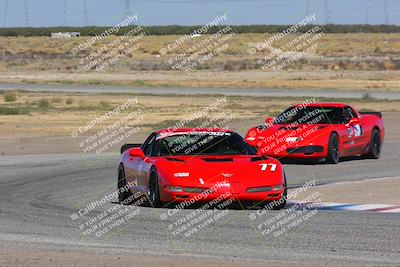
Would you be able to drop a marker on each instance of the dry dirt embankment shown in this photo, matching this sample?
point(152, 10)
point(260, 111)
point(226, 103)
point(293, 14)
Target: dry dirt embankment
point(342, 61)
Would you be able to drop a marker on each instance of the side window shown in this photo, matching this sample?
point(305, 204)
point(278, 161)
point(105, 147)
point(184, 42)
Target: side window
point(156, 148)
point(348, 114)
point(146, 147)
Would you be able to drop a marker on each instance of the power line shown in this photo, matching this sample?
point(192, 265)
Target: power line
point(27, 22)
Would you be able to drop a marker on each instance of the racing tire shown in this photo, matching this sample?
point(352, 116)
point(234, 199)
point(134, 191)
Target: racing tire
point(124, 195)
point(154, 190)
point(333, 149)
point(375, 146)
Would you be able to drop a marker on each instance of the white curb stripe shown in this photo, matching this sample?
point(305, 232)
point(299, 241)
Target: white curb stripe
point(381, 208)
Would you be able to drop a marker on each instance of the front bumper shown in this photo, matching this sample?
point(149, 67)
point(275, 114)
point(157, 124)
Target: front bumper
point(288, 151)
point(221, 194)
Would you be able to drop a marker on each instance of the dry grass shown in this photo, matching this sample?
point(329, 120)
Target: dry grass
point(10, 96)
point(349, 45)
point(341, 80)
point(161, 111)
point(341, 61)
point(335, 51)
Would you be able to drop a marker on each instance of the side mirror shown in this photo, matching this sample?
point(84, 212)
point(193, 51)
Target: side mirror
point(354, 121)
point(269, 121)
point(136, 152)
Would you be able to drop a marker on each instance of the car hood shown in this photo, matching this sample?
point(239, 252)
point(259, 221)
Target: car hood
point(249, 169)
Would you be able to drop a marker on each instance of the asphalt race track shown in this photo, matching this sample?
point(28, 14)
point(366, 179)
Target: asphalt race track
point(255, 92)
point(38, 195)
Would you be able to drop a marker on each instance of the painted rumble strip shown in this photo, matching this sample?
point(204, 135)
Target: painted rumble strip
point(386, 208)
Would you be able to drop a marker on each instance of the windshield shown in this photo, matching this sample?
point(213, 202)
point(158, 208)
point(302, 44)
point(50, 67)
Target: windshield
point(205, 143)
point(310, 115)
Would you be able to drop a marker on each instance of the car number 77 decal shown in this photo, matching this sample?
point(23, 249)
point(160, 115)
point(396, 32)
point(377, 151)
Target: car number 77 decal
point(264, 166)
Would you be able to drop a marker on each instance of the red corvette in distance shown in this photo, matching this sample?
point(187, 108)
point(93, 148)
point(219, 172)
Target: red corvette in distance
point(182, 165)
point(326, 131)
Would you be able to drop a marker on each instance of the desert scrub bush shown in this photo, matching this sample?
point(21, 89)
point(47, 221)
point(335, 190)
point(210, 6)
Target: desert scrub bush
point(10, 97)
point(44, 103)
point(13, 110)
point(104, 104)
point(69, 101)
point(56, 100)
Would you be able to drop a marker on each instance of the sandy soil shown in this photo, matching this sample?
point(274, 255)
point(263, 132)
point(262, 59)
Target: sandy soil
point(317, 79)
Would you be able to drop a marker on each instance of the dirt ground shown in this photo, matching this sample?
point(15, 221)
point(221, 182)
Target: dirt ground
point(25, 144)
point(386, 80)
point(48, 130)
point(360, 61)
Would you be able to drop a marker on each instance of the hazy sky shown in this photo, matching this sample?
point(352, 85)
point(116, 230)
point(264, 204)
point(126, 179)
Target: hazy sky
point(189, 12)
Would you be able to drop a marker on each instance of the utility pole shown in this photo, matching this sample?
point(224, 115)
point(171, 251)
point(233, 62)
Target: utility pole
point(65, 12)
point(307, 8)
point(327, 12)
point(5, 13)
point(86, 12)
point(386, 10)
point(27, 23)
point(127, 10)
point(367, 11)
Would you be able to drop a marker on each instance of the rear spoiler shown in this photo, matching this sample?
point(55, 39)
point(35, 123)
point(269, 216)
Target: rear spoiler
point(378, 114)
point(128, 146)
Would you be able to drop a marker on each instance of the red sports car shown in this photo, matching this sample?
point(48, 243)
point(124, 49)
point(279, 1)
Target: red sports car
point(320, 131)
point(183, 165)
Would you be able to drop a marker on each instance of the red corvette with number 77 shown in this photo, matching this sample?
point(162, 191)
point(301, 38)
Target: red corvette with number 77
point(187, 165)
point(326, 131)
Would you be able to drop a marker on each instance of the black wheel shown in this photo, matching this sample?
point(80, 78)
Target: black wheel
point(154, 192)
point(333, 149)
point(375, 145)
point(282, 202)
point(124, 195)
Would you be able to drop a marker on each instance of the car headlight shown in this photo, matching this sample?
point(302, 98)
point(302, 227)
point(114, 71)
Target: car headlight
point(277, 187)
point(175, 189)
point(259, 189)
point(293, 139)
point(265, 189)
point(193, 190)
